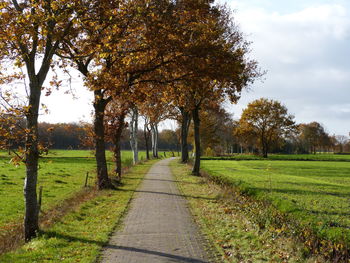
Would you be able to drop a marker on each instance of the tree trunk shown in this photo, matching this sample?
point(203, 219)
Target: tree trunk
point(185, 124)
point(265, 153)
point(196, 122)
point(154, 134)
point(133, 134)
point(146, 135)
point(117, 146)
point(103, 181)
point(31, 218)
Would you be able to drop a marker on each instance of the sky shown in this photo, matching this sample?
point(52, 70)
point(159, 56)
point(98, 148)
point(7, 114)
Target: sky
point(305, 48)
point(303, 45)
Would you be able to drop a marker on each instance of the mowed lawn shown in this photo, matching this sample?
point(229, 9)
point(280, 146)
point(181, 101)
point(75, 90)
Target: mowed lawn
point(61, 173)
point(314, 193)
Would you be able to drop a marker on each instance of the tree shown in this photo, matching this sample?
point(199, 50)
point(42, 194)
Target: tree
point(217, 129)
point(267, 121)
point(313, 136)
point(30, 35)
point(105, 26)
point(115, 123)
point(341, 141)
point(212, 64)
point(168, 140)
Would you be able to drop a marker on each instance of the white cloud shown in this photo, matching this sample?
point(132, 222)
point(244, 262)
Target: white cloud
point(306, 54)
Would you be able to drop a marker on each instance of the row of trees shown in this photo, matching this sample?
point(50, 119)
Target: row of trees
point(155, 58)
point(266, 126)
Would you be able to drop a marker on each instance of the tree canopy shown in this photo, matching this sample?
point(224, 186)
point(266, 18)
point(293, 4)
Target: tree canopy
point(267, 121)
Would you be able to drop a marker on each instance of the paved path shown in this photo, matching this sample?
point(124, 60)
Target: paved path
point(158, 226)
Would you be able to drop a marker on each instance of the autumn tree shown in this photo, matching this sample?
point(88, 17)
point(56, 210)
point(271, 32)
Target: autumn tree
point(30, 34)
point(313, 136)
point(155, 109)
point(168, 140)
point(216, 129)
point(215, 62)
point(107, 53)
point(341, 141)
point(267, 121)
point(115, 123)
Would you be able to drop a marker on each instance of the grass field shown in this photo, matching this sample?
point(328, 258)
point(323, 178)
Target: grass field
point(314, 193)
point(61, 173)
point(281, 157)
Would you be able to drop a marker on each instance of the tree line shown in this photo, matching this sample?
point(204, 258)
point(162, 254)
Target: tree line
point(74, 136)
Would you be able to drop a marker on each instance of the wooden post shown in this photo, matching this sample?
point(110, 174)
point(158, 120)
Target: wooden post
point(40, 197)
point(86, 179)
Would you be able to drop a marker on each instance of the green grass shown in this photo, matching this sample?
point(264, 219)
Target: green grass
point(291, 157)
point(234, 233)
point(314, 193)
point(61, 173)
point(80, 235)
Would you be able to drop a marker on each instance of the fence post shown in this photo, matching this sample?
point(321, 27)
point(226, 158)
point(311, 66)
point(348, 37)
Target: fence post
point(40, 197)
point(86, 179)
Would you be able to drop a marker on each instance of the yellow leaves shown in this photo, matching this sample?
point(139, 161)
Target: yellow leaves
point(3, 4)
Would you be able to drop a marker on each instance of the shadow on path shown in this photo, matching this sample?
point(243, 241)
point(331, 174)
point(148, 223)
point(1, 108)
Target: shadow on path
point(170, 194)
point(151, 252)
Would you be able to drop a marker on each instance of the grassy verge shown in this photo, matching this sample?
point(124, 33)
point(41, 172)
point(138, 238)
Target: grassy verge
point(229, 220)
point(80, 235)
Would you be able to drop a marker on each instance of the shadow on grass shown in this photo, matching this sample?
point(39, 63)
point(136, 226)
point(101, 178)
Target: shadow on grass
point(54, 234)
point(297, 192)
point(335, 186)
point(328, 213)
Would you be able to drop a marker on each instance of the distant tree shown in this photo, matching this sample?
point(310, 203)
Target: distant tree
point(216, 129)
point(168, 140)
point(267, 121)
point(312, 136)
point(62, 135)
point(341, 141)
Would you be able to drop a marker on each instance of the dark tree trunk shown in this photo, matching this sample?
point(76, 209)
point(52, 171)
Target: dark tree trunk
point(264, 144)
point(264, 153)
point(117, 146)
point(185, 124)
point(133, 134)
point(146, 135)
point(154, 135)
point(196, 122)
point(31, 218)
point(103, 181)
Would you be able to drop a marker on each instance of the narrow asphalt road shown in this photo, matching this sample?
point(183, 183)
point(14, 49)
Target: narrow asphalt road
point(158, 226)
